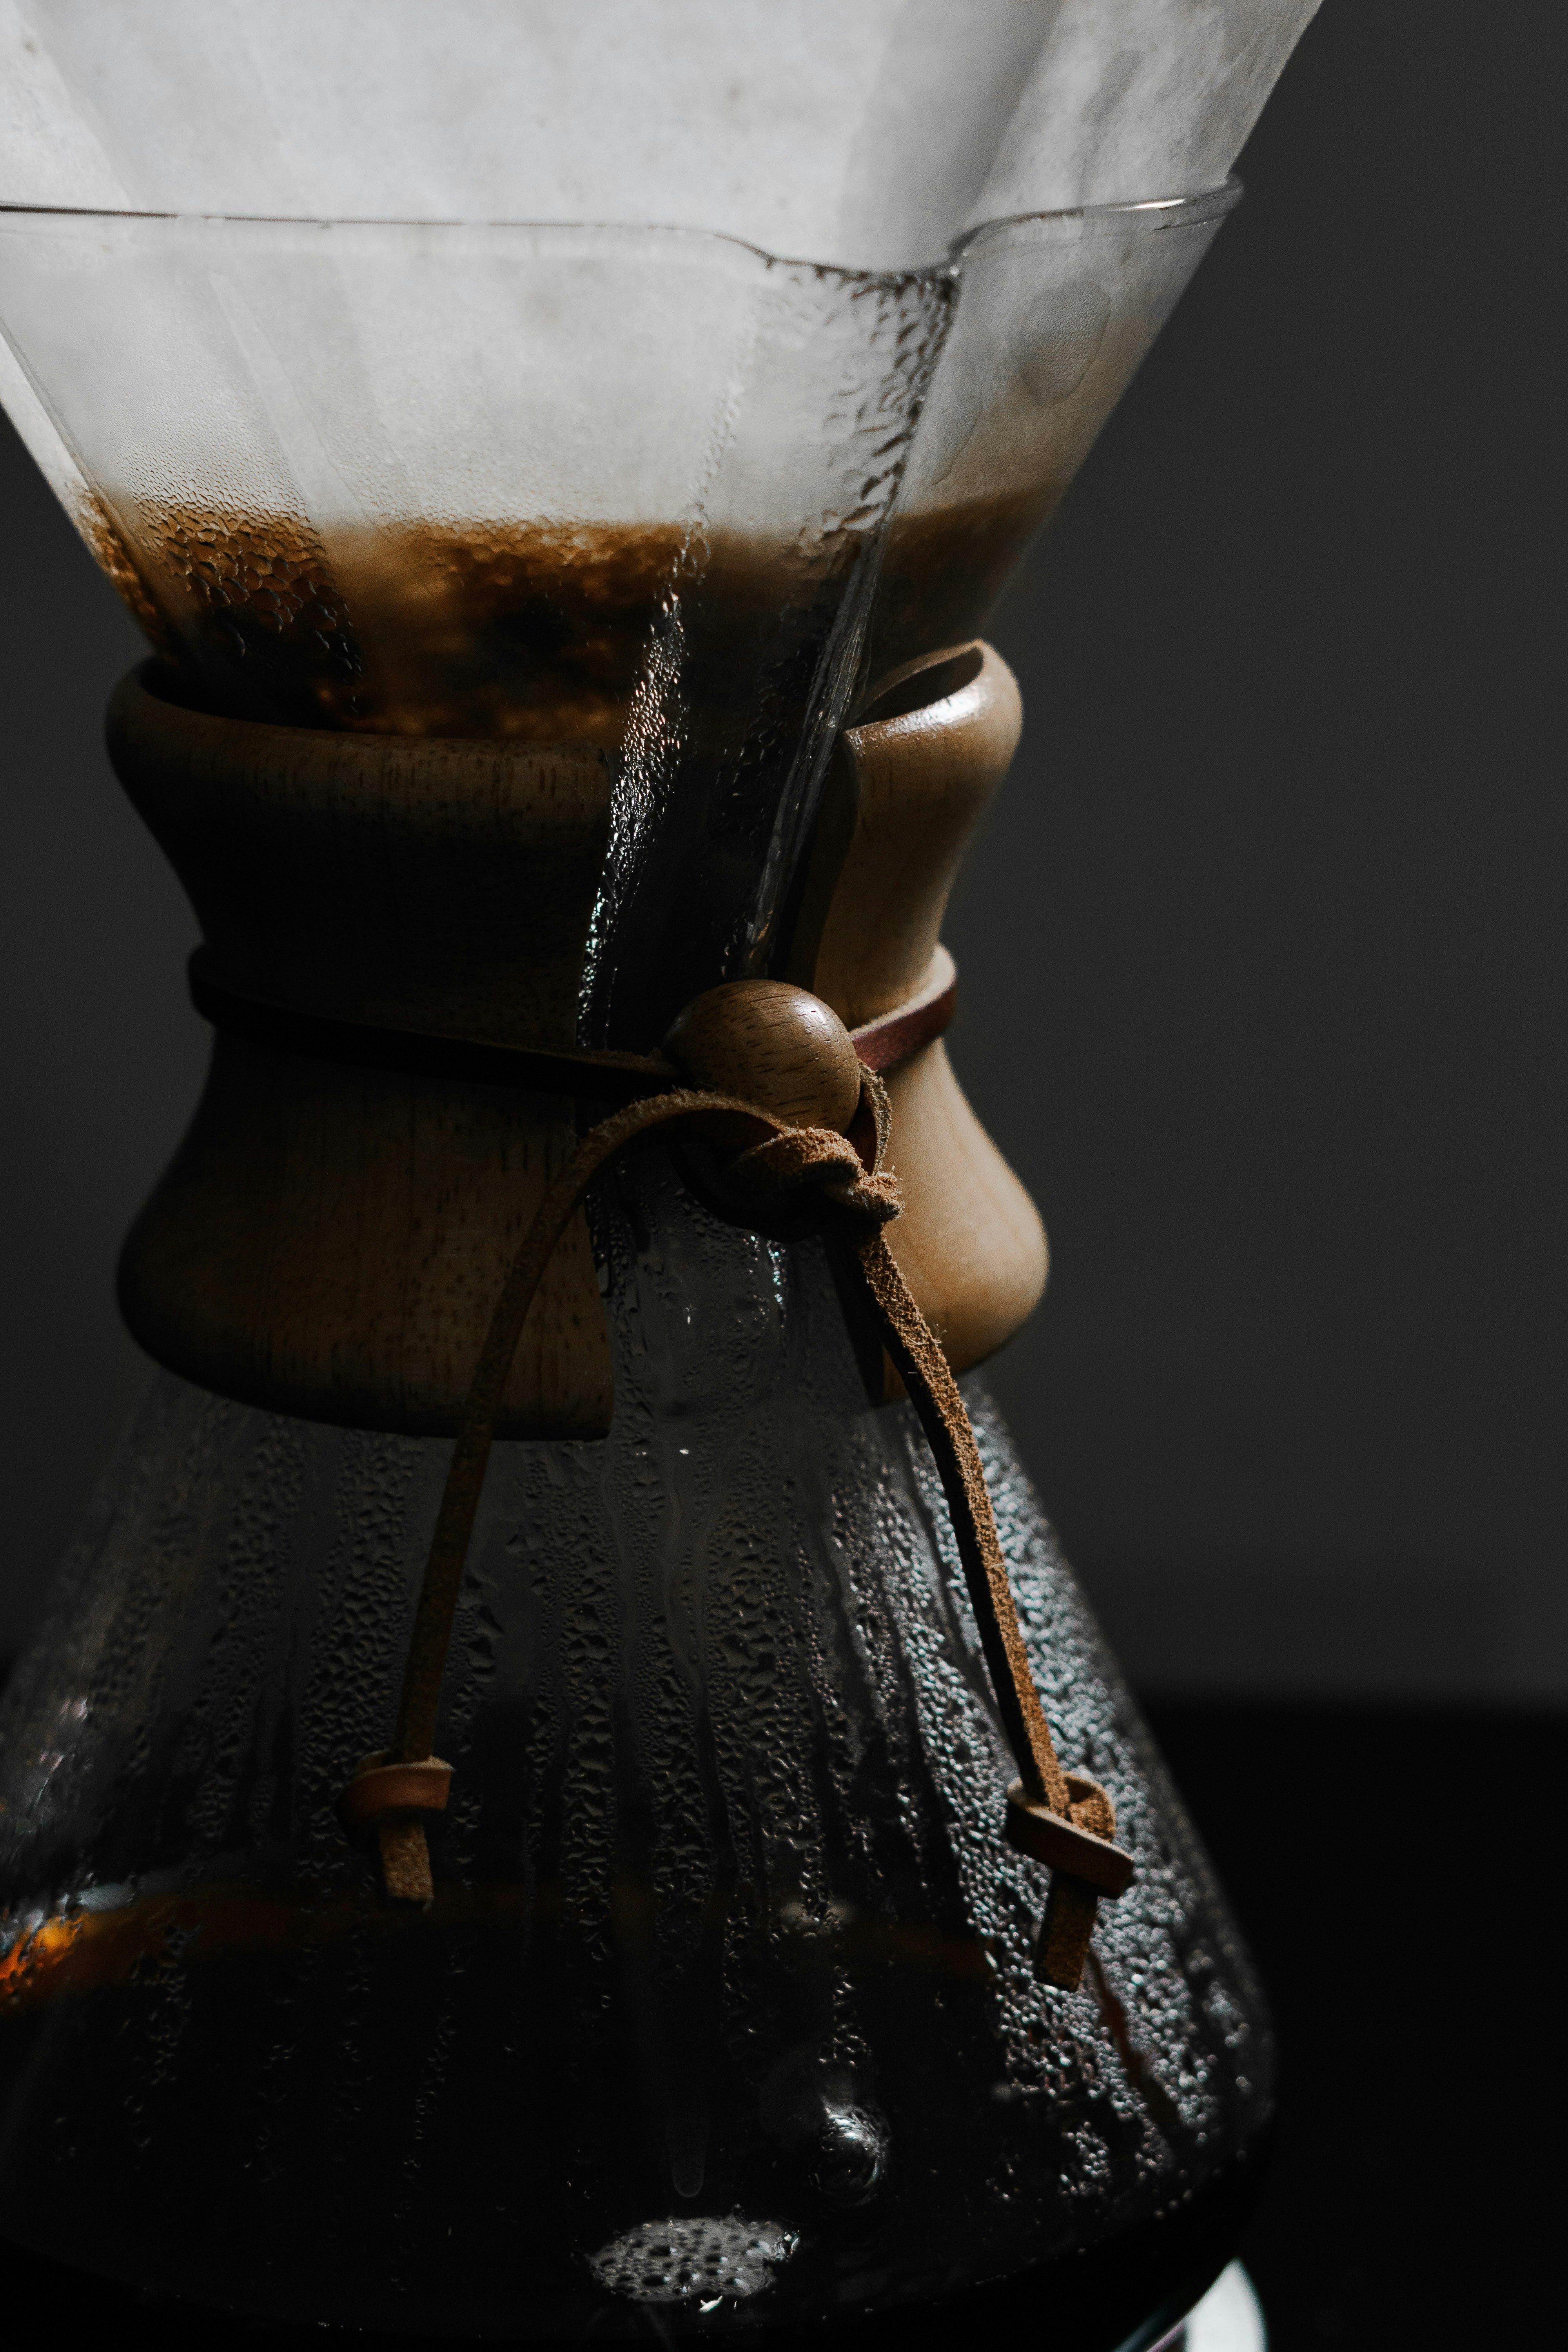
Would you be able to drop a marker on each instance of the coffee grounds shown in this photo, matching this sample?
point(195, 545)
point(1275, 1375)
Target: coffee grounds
point(536, 631)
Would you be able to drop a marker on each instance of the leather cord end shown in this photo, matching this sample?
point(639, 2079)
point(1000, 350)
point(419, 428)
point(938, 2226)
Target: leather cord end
point(379, 1790)
point(1086, 1867)
point(393, 1797)
point(1061, 1950)
point(405, 1862)
point(1064, 1844)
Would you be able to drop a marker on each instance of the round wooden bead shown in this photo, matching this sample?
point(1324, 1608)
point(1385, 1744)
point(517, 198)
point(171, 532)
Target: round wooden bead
point(772, 1045)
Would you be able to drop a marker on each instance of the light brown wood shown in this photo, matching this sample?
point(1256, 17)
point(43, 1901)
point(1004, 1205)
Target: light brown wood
point(418, 881)
point(775, 1045)
point(970, 1244)
point(903, 801)
point(908, 787)
point(330, 1241)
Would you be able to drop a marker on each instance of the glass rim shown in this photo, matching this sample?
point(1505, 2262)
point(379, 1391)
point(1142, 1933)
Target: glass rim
point(1154, 211)
point(1160, 212)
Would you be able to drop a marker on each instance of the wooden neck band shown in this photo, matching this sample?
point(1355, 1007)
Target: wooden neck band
point(394, 933)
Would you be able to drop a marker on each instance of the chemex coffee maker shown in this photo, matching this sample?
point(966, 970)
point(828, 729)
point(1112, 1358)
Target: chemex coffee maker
point(566, 1790)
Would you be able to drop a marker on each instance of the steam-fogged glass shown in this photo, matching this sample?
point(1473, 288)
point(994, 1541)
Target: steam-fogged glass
point(628, 485)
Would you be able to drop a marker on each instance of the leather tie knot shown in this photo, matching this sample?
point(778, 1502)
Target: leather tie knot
point(876, 1198)
point(783, 1052)
point(814, 1158)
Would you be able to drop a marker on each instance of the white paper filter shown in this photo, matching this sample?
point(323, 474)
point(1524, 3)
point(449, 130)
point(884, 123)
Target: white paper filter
point(870, 135)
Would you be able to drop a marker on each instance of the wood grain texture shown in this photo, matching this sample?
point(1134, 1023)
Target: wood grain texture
point(903, 801)
point(329, 1241)
point(774, 1044)
point(419, 881)
point(908, 787)
point(970, 1244)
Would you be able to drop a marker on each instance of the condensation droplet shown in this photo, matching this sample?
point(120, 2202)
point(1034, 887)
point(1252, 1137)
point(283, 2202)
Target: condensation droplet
point(692, 2261)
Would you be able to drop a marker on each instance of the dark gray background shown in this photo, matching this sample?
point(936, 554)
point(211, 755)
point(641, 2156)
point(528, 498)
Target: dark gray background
point(1263, 989)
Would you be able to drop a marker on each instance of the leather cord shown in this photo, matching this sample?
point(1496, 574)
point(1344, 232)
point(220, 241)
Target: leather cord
point(1064, 1820)
point(884, 1045)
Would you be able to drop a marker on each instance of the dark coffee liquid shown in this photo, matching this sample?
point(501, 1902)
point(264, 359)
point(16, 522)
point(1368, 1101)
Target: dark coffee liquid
point(725, 1940)
point(227, 2070)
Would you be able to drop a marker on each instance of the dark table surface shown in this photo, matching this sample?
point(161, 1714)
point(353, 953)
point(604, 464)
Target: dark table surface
point(1396, 1869)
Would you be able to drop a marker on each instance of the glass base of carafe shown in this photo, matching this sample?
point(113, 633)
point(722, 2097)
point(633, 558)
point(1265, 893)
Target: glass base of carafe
point(1223, 2317)
point(1228, 2318)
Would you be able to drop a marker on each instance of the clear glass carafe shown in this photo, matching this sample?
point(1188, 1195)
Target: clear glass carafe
point(398, 421)
point(726, 2003)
